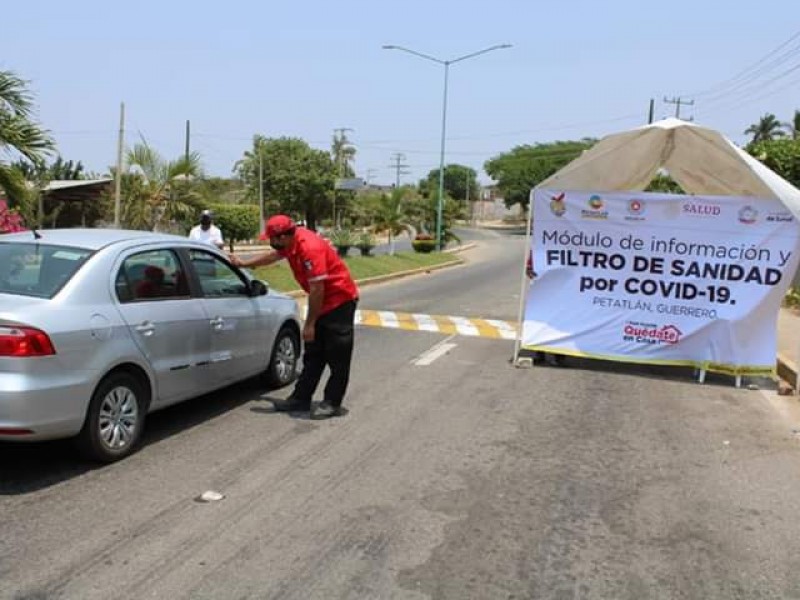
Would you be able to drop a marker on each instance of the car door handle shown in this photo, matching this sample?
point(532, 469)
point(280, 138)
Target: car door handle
point(217, 323)
point(146, 329)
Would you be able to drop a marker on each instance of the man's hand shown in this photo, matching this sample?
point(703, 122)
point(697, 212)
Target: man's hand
point(309, 331)
point(235, 260)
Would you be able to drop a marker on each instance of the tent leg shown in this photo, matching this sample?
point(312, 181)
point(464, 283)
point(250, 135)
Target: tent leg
point(524, 287)
point(738, 381)
point(701, 376)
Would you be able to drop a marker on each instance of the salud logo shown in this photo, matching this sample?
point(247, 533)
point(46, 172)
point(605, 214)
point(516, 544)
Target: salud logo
point(748, 215)
point(557, 205)
point(596, 203)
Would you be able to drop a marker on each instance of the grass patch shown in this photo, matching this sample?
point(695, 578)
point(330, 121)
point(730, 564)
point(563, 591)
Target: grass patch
point(279, 276)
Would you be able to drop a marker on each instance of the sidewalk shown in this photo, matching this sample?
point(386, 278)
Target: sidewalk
point(788, 345)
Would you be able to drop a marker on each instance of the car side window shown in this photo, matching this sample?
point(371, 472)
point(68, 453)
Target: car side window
point(217, 278)
point(150, 276)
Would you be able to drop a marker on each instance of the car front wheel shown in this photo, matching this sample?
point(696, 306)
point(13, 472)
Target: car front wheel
point(115, 419)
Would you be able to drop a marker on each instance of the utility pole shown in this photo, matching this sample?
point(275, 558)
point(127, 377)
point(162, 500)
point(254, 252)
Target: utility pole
point(678, 102)
point(399, 167)
point(652, 109)
point(118, 184)
point(261, 188)
point(187, 141)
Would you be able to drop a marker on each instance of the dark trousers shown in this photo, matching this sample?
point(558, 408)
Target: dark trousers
point(332, 346)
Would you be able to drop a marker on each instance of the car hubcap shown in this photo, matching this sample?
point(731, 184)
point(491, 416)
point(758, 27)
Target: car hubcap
point(285, 358)
point(119, 414)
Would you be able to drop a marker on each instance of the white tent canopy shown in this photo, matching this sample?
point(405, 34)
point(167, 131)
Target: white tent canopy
point(702, 161)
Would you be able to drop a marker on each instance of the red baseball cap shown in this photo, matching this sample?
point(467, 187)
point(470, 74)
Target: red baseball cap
point(278, 225)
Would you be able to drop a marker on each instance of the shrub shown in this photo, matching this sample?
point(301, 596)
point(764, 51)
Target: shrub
point(366, 242)
point(342, 240)
point(238, 222)
point(424, 242)
point(10, 220)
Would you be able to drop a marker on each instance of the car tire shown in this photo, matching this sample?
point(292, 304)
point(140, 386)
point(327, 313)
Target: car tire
point(285, 358)
point(115, 419)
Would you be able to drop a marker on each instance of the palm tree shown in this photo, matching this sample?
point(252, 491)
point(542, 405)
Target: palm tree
point(767, 128)
point(390, 216)
point(343, 153)
point(793, 127)
point(157, 191)
point(19, 136)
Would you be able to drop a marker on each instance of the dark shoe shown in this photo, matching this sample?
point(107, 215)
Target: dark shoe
point(327, 411)
point(291, 404)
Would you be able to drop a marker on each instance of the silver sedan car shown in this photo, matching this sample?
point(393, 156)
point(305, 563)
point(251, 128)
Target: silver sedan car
point(100, 327)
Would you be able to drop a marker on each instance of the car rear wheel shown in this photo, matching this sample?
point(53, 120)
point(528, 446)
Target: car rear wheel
point(282, 368)
point(115, 419)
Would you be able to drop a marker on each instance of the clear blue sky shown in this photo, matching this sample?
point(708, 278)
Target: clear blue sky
point(302, 68)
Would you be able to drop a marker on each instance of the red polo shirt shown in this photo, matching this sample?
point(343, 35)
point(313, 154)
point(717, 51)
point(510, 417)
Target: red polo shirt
point(313, 259)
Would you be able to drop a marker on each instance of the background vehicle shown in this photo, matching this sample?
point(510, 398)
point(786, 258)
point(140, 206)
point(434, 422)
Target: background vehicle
point(100, 327)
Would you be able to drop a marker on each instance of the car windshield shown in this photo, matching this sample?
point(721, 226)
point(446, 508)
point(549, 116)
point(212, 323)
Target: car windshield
point(39, 270)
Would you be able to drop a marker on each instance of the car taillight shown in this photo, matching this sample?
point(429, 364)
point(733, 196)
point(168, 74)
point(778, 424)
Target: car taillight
point(24, 341)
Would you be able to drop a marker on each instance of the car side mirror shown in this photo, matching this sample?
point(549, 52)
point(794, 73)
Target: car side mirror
point(258, 288)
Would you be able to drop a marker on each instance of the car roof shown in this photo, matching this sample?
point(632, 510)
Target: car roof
point(90, 239)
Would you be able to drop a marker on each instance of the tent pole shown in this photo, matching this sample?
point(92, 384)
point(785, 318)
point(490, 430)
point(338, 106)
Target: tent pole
point(523, 279)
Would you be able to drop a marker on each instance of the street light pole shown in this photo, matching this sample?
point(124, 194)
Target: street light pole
point(440, 203)
point(446, 64)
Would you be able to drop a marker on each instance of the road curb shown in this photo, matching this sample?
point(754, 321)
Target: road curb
point(401, 274)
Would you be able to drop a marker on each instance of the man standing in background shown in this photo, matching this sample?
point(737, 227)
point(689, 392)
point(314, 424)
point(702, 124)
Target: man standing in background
point(207, 232)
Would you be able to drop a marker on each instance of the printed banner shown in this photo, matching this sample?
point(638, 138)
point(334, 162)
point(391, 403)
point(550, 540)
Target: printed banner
point(660, 279)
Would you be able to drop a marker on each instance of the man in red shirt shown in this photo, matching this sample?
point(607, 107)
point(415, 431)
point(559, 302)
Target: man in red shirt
point(328, 329)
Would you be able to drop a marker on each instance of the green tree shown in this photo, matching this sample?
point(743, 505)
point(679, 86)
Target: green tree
point(458, 180)
point(521, 169)
point(662, 182)
point(343, 153)
point(298, 180)
point(782, 156)
point(238, 222)
point(421, 212)
point(58, 170)
point(767, 128)
point(390, 215)
point(793, 126)
point(19, 136)
point(214, 190)
point(157, 193)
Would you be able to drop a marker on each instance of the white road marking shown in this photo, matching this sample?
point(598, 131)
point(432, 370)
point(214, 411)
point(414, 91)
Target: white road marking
point(464, 326)
point(437, 351)
point(389, 319)
point(425, 322)
point(506, 330)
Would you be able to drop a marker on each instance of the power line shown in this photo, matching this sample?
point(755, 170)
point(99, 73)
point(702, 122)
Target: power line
point(753, 69)
point(757, 88)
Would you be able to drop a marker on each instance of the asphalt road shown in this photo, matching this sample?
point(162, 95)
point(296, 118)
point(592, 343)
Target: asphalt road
point(463, 479)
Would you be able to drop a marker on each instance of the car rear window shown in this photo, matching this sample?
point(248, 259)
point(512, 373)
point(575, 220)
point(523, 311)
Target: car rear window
point(39, 270)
